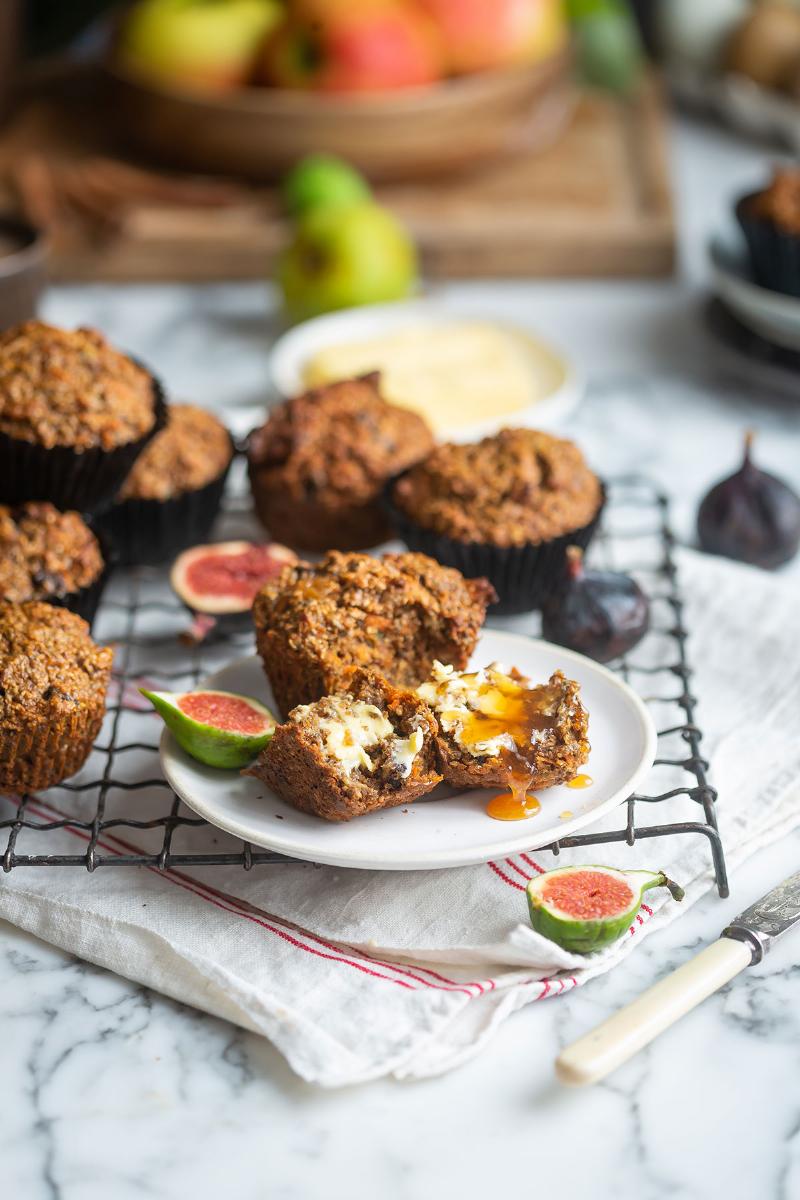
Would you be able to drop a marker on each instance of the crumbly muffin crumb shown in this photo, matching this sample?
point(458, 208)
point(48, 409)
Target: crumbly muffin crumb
point(188, 453)
point(49, 666)
point(71, 388)
point(520, 486)
point(45, 553)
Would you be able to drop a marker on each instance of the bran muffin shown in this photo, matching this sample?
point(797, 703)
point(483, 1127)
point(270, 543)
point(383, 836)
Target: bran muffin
point(172, 496)
point(770, 221)
point(496, 727)
point(395, 615)
point(74, 415)
point(370, 746)
point(506, 508)
point(49, 555)
point(53, 681)
point(320, 463)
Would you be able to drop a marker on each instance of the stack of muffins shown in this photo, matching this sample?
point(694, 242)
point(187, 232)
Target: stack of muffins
point(93, 465)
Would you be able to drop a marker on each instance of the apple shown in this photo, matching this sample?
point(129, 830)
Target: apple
point(480, 34)
point(345, 46)
point(322, 180)
point(342, 257)
point(205, 43)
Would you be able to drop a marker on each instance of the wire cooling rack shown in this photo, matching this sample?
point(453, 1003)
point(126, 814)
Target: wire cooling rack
point(119, 811)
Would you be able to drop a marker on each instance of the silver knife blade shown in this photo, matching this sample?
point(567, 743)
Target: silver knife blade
point(769, 918)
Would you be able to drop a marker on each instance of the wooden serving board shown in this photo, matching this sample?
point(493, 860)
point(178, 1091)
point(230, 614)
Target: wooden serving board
point(595, 203)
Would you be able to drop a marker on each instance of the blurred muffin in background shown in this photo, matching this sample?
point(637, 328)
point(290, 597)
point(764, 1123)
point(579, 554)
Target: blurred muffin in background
point(320, 463)
point(173, 494)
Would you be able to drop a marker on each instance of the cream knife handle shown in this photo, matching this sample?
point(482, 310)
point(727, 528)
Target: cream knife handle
point(598, 1053)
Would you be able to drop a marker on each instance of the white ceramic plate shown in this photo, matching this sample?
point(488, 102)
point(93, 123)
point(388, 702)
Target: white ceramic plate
point(561, 387)
point(773, 315)
point(449, 832)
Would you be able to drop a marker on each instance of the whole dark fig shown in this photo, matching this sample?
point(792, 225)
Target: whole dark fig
point(752, 516)
point(599, 613)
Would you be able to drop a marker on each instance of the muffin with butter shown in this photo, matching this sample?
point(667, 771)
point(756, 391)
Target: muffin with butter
point(320, 463)
point(504, 508)
point(75, 413)
point(173, 494)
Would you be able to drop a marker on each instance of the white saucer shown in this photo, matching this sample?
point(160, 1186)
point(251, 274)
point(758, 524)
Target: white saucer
point(772, 315)
point(449, 832)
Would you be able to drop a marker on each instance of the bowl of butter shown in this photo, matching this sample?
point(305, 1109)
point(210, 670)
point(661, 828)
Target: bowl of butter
point(468, 375)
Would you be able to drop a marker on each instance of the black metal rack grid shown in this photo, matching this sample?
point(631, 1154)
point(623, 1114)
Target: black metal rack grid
point(124, 813)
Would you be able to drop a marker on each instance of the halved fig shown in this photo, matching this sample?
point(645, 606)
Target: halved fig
point(587, 908)
point(220, 729)
point(224, 578)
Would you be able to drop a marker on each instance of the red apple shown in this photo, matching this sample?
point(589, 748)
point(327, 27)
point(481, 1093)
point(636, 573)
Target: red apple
point(339, 46)
point(480, 34)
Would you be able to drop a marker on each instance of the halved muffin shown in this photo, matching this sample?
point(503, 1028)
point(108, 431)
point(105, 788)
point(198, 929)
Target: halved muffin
point(395, 615)
point(496, 727)
point(367, 747)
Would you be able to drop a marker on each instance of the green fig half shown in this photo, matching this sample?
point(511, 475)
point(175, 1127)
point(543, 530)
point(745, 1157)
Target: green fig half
point(220, 729)
point(584, 909)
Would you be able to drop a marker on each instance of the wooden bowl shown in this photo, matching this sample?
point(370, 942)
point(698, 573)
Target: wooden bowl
point(260, 132)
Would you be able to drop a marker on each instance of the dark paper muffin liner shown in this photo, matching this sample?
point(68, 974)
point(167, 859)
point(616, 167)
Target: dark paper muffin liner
point(774, 252)
point(522, 576)
point(68, 479)
point(148, 532)
point(85, 602)
point(40, 756)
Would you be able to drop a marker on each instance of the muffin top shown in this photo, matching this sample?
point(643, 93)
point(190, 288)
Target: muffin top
point(188, 453)
point(49, 665)
point(70, 388)
point(517, 487)
point(780, 202)
point(45, 553)
point(340, 440)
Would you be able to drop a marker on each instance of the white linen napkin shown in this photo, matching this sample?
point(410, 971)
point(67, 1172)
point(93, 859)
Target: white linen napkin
point(358, 974)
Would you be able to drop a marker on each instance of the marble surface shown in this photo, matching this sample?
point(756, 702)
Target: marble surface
point(112, 1092)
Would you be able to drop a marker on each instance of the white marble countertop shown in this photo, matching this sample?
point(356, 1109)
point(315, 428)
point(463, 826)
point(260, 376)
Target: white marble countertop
point(113, 1092)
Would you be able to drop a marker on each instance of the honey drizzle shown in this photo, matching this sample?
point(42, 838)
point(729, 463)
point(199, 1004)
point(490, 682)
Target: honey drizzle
point(580, 781)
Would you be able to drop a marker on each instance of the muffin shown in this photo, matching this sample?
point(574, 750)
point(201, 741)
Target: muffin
point(53, 681)
point(495, 727)
point(172, 495)
point(49, 555)
point(74, 416)
point(505, 508)
point(320, 463)
point(371, 746)
point(395, 615)
point(770, 220)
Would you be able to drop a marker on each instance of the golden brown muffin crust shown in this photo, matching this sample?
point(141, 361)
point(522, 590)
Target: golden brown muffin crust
point(520, 486)
point(188, 453)
point(394, 614)
point(45, 553)
point(49, 665)
point(71, 388)
point(780, 202)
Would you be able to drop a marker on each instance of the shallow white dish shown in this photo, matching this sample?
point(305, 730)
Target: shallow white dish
point(773, 315)
point(450, 832)
point(562, 385)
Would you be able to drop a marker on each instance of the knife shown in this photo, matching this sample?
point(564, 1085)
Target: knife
point(745, 941)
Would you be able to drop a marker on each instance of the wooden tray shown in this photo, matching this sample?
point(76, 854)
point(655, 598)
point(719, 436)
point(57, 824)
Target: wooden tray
point(597, 203)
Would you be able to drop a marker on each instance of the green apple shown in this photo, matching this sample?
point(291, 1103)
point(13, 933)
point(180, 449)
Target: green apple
point(207, 43)
point(322, 180)
point(341, 257)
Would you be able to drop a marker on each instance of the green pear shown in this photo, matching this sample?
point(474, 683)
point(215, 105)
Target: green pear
point(342, 257)
point(323, 181)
